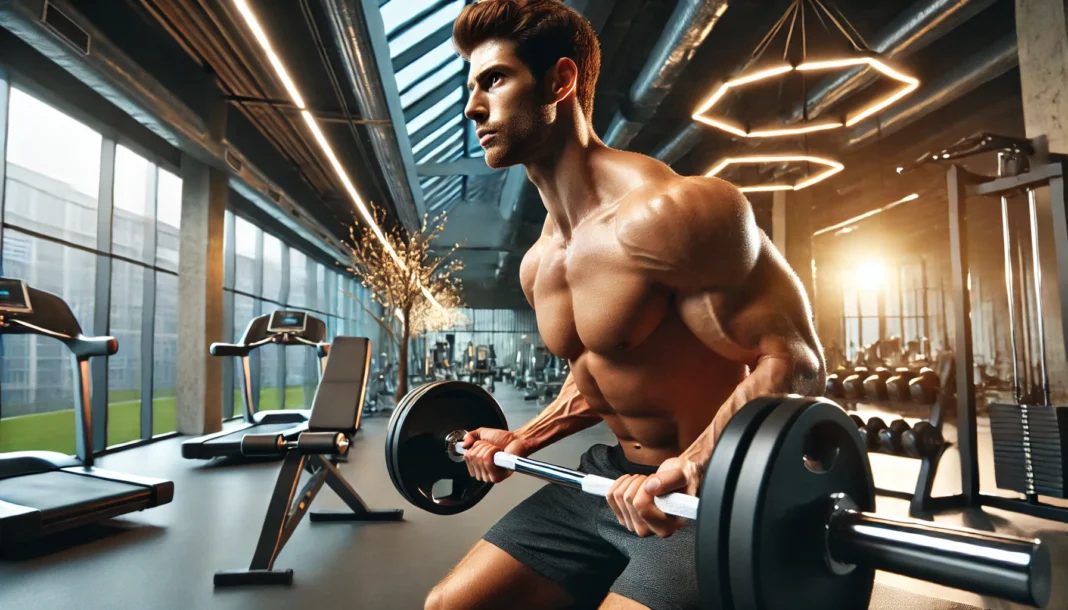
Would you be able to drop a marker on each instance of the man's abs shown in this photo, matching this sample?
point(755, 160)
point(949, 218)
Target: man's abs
point(659, 395)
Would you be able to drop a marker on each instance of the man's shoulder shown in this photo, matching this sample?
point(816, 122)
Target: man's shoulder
point(688, 223)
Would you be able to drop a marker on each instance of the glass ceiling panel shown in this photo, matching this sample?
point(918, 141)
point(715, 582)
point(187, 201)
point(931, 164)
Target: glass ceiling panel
point(447, 143)
point(419, 68)
point(427, 27)
point(396, 13)
point(430, 138)
point(431, 81)
point(434, 111)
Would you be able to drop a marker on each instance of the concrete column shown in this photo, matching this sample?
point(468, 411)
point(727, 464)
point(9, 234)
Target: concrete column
point(1042, 32)
point(200, 303)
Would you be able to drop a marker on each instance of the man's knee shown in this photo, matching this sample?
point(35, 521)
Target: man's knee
point(445, 595)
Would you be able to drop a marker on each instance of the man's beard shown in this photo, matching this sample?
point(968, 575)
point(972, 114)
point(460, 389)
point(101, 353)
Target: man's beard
point(517, 142)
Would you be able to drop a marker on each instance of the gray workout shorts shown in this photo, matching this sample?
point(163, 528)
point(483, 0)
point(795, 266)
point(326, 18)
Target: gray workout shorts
point(573, 539)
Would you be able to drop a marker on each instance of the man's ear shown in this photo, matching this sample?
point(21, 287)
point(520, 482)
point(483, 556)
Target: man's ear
point(562, 79)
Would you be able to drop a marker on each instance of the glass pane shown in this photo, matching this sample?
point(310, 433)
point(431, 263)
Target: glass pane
point(418, 68)
point(425, 28)
point(228, 281)
point(301, 376)
point(434, 111)
point(869, 330)
point(869, 302)
point(243, 312)
point(272, 267)
point(37, 390)
point(124, 368)
point(852, 337)
point(168, 219)
point(53, 171)
point(165, 355)
point(431, 81)
point(245, 248)
point(134, 196)
point(272, 358)
point(298, 278)
point(396, 13)
point(320, 288)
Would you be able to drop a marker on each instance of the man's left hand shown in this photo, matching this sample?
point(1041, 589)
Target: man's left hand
point(631, 497)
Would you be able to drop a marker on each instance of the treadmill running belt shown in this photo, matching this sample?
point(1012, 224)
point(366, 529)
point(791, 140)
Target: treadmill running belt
point(234, 438)
point(58, 494)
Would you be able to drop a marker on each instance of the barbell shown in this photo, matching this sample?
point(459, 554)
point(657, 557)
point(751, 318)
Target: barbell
point(783, 514)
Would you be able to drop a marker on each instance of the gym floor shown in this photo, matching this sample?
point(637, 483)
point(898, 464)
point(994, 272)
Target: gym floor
point(165, 557)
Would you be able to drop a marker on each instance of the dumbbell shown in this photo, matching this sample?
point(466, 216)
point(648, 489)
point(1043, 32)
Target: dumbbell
point(890, 437)
point(870, 432)
point(875, 384)
point(834, 383)
point(922, 441)
point(897, 386)
point(853, 384)
point(789, 484)
point(924, 387)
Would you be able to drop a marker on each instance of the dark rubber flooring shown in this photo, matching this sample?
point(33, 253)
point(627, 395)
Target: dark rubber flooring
point(165, 557)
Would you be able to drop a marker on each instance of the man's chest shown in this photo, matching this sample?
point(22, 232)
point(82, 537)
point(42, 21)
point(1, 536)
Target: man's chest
point(588, 293)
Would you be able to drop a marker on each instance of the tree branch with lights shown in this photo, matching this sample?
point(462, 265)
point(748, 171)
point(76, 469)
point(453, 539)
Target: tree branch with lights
point(417, 288)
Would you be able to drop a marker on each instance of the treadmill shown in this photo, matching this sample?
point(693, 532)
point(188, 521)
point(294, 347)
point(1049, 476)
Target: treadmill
point(43, 492)
point(282, 327)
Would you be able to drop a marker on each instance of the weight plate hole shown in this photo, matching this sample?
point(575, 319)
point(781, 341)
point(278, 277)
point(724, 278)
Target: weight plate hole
point(442, 489)
point(822, 447)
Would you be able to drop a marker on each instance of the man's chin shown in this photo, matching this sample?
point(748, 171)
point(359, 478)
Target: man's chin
point(499, 159)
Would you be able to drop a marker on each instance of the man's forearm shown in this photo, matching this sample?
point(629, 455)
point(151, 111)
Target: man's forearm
point(566, 415)
point(772, 375)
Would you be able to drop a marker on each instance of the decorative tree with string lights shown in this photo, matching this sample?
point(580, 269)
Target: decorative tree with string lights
point(417, 289)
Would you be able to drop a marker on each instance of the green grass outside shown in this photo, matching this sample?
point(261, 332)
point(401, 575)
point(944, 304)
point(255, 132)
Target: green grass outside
point(55, 431)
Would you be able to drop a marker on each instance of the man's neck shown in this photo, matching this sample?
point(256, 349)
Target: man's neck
point(566, 179)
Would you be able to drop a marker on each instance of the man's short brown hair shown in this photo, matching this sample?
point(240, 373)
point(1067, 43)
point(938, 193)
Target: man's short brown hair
point(544, 31)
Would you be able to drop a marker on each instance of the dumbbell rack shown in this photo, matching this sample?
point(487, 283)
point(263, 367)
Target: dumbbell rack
point(921, 502)
point(960, 185)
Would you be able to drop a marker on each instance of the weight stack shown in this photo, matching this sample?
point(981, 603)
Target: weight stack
point(1046, 428)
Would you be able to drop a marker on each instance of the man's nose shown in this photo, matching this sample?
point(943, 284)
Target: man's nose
point(476, 109)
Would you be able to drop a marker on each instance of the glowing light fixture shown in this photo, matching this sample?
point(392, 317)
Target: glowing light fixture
point(324, 145)
point(833, 167)
point(870, 275)
point(705, 114)
point(798, 62)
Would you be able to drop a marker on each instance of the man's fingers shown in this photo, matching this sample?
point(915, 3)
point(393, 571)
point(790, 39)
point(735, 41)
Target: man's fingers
point(665, 480)
point(640, 527)
point(614, 504)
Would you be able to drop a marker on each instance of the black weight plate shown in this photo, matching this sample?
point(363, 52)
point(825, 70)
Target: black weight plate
point(395, 429)
point(1038, 451)
point(418, 459)
point(716, 497)
point(805, 451)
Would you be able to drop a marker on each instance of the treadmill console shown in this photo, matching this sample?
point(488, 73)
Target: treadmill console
point(283, 321)
point(14, 298)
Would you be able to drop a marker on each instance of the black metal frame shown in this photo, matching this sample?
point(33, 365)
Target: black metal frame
point(286, 509)
point(960, 184)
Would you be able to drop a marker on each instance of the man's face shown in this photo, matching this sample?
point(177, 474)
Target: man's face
point(506, 105)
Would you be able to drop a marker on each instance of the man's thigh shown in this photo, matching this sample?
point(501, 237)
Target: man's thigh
point(554, 533)
point(489, 578)
point(662, 573)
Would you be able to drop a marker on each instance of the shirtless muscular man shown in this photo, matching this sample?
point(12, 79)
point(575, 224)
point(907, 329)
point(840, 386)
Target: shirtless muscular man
point(672, 307)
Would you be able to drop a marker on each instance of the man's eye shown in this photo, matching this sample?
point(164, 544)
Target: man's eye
point(495, 77)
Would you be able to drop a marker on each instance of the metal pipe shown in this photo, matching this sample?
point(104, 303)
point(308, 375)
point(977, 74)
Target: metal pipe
point(914, 29)
point(687, 28)
point(1010, 291)
point(354, 45)
point(989, 63)
point(1014, 569)
point(1037, 263)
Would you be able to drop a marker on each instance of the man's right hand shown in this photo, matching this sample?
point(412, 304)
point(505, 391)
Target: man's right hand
point(481, 444)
